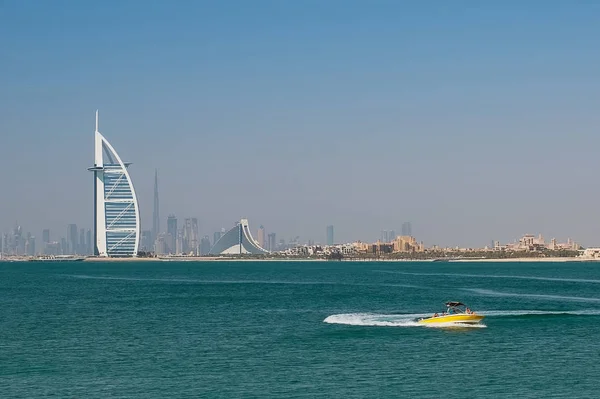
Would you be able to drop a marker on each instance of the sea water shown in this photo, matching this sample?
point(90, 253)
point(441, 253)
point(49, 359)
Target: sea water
point(297, 329)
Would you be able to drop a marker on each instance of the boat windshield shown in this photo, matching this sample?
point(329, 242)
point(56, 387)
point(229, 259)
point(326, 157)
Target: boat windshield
point(456, 308)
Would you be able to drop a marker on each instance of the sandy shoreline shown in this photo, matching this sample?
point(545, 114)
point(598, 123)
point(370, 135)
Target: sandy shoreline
point(573, 259)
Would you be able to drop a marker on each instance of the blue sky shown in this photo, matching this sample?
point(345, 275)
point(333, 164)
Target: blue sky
point(473, 120)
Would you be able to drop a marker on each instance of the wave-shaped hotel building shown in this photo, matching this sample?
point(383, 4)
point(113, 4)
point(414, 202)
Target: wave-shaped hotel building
point(116, 209)
point(238, 241)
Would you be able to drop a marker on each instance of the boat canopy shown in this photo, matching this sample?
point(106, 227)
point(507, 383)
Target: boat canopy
point(453, 304)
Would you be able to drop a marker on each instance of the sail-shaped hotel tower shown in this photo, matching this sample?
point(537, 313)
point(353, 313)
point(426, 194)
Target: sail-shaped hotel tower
point(116, 210)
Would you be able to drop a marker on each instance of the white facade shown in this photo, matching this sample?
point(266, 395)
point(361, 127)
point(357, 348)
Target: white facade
point(116, 211)
point(238, 241)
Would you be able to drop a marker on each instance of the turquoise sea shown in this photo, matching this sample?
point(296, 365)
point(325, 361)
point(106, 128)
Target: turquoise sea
point(297, 330)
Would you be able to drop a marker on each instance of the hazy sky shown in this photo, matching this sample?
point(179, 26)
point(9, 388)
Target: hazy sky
point(473, 120)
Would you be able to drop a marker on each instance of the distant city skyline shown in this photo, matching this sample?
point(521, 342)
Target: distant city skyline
point(295, 114)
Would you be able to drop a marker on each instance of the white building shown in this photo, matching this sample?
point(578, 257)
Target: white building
point(116, 210)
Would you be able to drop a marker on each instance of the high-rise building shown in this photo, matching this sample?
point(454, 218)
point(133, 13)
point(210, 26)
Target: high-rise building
point(261, 236)
point(64, 250)
point(388, 236)
point(46, 236)
point(406, 229)
point(147, 244)
point(155, 214)
point(88, 243)
point(205, 245)
point(384, 236)
point(81, 245)
point(272, 242)
point(216, 236)
point(30, 245)
point(190, 236)
point(186, 240)
point(194, 242)
point(330, 235)
point(179, 242)
point(72, 240)
point(160, 245)
point(116, 210)
point(171, 241)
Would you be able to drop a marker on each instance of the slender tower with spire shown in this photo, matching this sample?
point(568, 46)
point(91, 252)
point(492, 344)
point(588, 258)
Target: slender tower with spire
point(155, 215)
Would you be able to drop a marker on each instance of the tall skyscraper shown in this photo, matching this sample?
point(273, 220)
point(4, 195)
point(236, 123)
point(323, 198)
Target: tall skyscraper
point(384, 236)
point(46, 236)
point(155, 214)
point(194, 239)
point(64, 250)
point(190, 236)
point(116, 210)
point(216, 236)
point(330, 235)
point(81, 244)
point(272, 242)
point(147, 243)
point(30, 245)
point(72, 241)
point(205, 245)
point(179, 242)
point(261, 236)
point(88, 243)
point(171, 234)
point(406, 229)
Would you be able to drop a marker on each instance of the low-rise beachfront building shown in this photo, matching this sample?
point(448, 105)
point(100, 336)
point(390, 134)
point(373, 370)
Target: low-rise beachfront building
point(529, 242)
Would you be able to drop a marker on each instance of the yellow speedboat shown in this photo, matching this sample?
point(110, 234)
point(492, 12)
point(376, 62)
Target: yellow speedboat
point(456, 312)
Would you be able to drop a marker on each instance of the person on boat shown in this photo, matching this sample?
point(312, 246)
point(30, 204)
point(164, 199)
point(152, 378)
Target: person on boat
point(435, 315)
point(468, 311)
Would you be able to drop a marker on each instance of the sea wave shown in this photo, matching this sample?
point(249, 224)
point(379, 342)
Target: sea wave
point(497, 276)
point(216, 281)
point(482, 291)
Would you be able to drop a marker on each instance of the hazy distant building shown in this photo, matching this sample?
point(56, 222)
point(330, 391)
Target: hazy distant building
point(160, 245)
point(63, 246)
point(205, 245)
point(147, 243)
point(30, 245)
point(384, 236)
point(81, 243)
point(261, 236)
point(217, 236)
point(330, 235)
point(179, 242)
point(88, 243)
point(272, 242)
point(155, 213)
point(46, 236)
point(116, 210)
point(190, 236)
point(406, 229)
point(72, 241)
point(237, 241)
point(172, 234)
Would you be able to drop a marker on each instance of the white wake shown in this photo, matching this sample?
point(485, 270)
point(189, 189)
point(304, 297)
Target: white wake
point(390, 320)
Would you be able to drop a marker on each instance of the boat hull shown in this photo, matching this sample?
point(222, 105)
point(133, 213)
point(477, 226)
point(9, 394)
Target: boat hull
point(453, 318)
